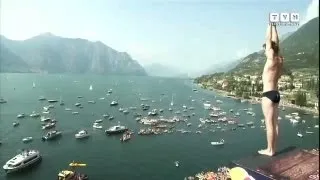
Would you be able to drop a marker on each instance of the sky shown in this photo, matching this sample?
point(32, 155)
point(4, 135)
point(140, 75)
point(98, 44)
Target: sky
point(191, 35)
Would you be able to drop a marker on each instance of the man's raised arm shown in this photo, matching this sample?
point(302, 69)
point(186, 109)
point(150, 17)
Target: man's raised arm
point(268, 38)
point(274, 33)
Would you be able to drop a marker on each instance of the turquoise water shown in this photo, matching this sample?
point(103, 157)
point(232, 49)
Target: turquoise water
point(143, 157)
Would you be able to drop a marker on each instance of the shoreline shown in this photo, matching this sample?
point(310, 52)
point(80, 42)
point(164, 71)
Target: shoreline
point(253, 100)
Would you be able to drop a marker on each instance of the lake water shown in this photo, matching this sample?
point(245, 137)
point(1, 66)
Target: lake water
point(143, 157)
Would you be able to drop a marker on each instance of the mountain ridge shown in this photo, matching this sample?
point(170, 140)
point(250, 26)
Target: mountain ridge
point(54, 54)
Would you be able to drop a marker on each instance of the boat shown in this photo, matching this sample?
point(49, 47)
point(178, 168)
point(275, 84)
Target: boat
point(105, 115)
point(237, 114)
point(77, 104)
point(49, 125)
point(111, 118)
point(41, 98)
point(250, 123)
point(176, 163)
point(51, 135)
point(231, 110)
point(21, 115)
point(170, 109)
point(125, 111)
point(114, 103)
point(189, 124)
point(171, 103)
point(2, 101)
point(219, 101)
point(206, 105)
point(15, 124)
point(72, 174)
point(27, 139)
point(75, 112)
point(309, 132)
point(52, 101)
point(33, 85)
point(221, 142)
point(153, 113)
point(90, 88)
point(34, 114)
point(68, 109)
point(116, 130)
point(24, 159)
point(125, 137)
point(316, 126)
point(44, 119)
point(110, 91)
point(145, 107)
point(299, 134)
point(91, 102)
point(81, 134)
point(97, 126)
point(98, 121)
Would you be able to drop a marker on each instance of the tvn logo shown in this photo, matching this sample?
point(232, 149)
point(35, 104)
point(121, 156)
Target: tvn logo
point(284, 19)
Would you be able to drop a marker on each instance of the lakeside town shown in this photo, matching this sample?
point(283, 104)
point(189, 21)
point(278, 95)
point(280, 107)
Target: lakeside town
point(298, 89)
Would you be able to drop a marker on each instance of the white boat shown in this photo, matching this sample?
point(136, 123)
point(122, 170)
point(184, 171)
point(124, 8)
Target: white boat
point(98, 121)
point(299, 134)
point(81, 134)
point(316, 126)
point(33, 85)
point(21, 115)
point(97, 126)
point(24, 159)
point(171, 100)
point(219, 101)
point(237, 114)
point(206, 105)
point(297, 117)
point(90, 88)
point(44, 119)
point(68, 109)
point(189, 124)
point(176, 163)
point(113, 103)
point(170, 109)
point(49, 125)
point(15, 124)
point(221, 142)
point(309, 132)
point(288, 116)
point(294, 121)
point(91, 102)
point(34, 114)
point(75, 112)
point(295, 114)
point(27, 139)
point(51, 135)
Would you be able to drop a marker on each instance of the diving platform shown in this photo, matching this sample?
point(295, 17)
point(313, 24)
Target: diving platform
point(290, 163)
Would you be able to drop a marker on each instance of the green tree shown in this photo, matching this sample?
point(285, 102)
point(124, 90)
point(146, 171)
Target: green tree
point(300, 98)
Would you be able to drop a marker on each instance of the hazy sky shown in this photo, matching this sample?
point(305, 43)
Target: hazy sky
point(190, 34)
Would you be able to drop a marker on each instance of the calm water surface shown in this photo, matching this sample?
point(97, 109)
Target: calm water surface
point(143, 157)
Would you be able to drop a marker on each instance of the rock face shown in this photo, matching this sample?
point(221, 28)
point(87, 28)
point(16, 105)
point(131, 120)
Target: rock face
point(300, 50)
point(54, 54)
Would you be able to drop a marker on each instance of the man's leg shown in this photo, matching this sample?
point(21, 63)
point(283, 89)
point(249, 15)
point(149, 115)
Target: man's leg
point(276, 126)
point(268, 111)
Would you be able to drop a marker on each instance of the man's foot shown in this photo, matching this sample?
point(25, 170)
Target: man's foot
point(266, 152)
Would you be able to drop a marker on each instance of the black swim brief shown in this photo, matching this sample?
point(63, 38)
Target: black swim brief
point(273, 95)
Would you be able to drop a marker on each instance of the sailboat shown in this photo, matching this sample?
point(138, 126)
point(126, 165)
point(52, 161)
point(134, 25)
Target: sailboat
point(90, 88)
point(171, 101)
point(33, 85)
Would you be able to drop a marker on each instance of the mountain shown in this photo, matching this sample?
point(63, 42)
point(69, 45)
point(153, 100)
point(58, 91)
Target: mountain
point(285, 36)
point(224, 67)
point(160, 70)
point(300, 50)
point(54, 54)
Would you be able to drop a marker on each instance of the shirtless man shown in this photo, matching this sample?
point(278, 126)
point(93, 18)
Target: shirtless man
point(271, 96)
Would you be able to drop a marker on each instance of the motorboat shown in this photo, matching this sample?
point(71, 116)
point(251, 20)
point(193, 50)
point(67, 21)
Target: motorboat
point(68, 109)
point(114, 103)
point(41, 98)
point(98, 121)
point(52, 101)
point(110, 91)
point(75, 112)
point(309, 132)
point(111, 118)
point(207, 105)
point(44, 119)
point(81, 134)
point(71, 174)
point(221, 142)
point(2, 101)
point(316, 126)
point(21, 115)
point(34, 114)
point(299, 134)
point(125, 137)
point(91, 102)
point(97, 126)
point(51, 135)
point(176, 163)
point(145, 107)
point(49, 125)
point(118, 129)
point(125, 111)
point(15, 124)
point(120, 109)
point(153, 113)
point(24, 159)
point(90, 88)
point(105, 115)
point(27, 139)
point(77, 104)
point(170, 109)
